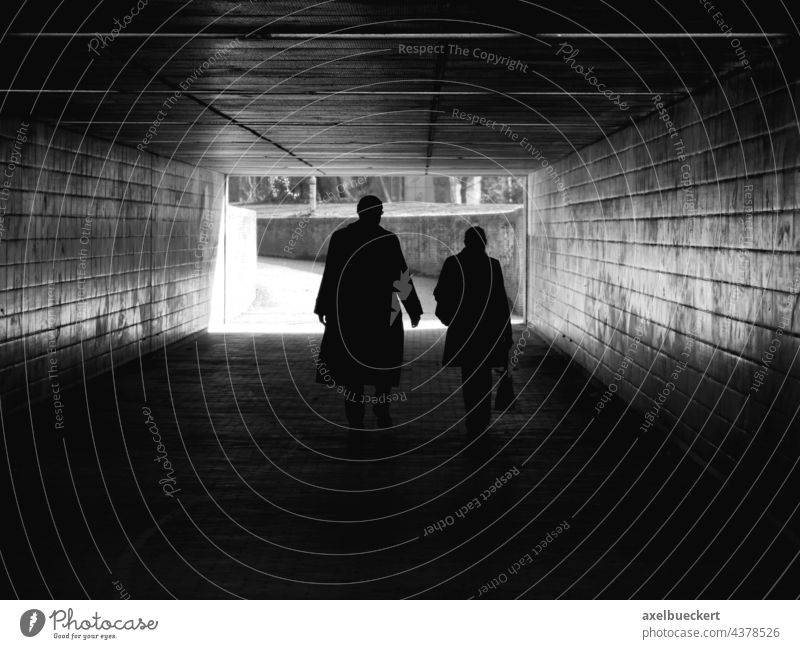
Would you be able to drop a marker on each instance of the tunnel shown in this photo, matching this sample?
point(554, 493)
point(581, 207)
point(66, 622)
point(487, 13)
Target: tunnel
point(163, 438)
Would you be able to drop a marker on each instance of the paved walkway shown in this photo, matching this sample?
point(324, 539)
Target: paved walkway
point(271, 500)
point(286, 290)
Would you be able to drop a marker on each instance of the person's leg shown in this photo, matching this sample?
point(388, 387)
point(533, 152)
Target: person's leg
point(354, 405)
point(383, 392)
point(477, 391)
point(483, 412)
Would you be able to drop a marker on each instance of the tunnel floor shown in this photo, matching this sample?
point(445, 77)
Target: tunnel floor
point(271, 499)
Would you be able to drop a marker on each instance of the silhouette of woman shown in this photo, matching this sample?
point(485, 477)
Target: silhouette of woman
point(471, 301)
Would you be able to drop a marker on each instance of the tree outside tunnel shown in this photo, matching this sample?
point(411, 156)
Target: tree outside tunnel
point(294, 190)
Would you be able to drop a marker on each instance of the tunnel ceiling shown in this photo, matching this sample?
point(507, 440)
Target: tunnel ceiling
point(329, 87)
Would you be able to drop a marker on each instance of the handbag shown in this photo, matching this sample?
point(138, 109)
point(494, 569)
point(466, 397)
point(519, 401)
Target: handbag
point(505, 398)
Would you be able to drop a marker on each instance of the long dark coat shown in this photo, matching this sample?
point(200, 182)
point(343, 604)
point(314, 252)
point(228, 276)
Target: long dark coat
point(471, 301)
point(363, 340)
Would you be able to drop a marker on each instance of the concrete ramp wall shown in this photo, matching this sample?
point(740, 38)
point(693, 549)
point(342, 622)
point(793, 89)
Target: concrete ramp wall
point(426, 241)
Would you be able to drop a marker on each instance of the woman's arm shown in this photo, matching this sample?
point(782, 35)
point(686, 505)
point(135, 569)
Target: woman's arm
point(446, 292)
point(501, 303)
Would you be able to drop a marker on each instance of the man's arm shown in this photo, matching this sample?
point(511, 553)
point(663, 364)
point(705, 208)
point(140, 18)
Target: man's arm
point(408, 296)
point(327, 286)
point(413, 306)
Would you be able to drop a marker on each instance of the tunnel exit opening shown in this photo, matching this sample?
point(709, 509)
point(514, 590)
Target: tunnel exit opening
point(275, 233)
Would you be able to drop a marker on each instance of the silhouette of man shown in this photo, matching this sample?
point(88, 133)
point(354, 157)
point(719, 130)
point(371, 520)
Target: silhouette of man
point(471, 301)
point(364, 281)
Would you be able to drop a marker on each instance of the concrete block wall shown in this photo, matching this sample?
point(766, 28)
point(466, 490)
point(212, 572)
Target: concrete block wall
point(426, 241)
point(670, 267)
point(105, 254)
point(241, 259)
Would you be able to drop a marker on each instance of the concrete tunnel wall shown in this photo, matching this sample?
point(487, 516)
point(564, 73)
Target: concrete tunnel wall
point(672, 246)
point(105, 254)
point(239, 260)
point(708, 272)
